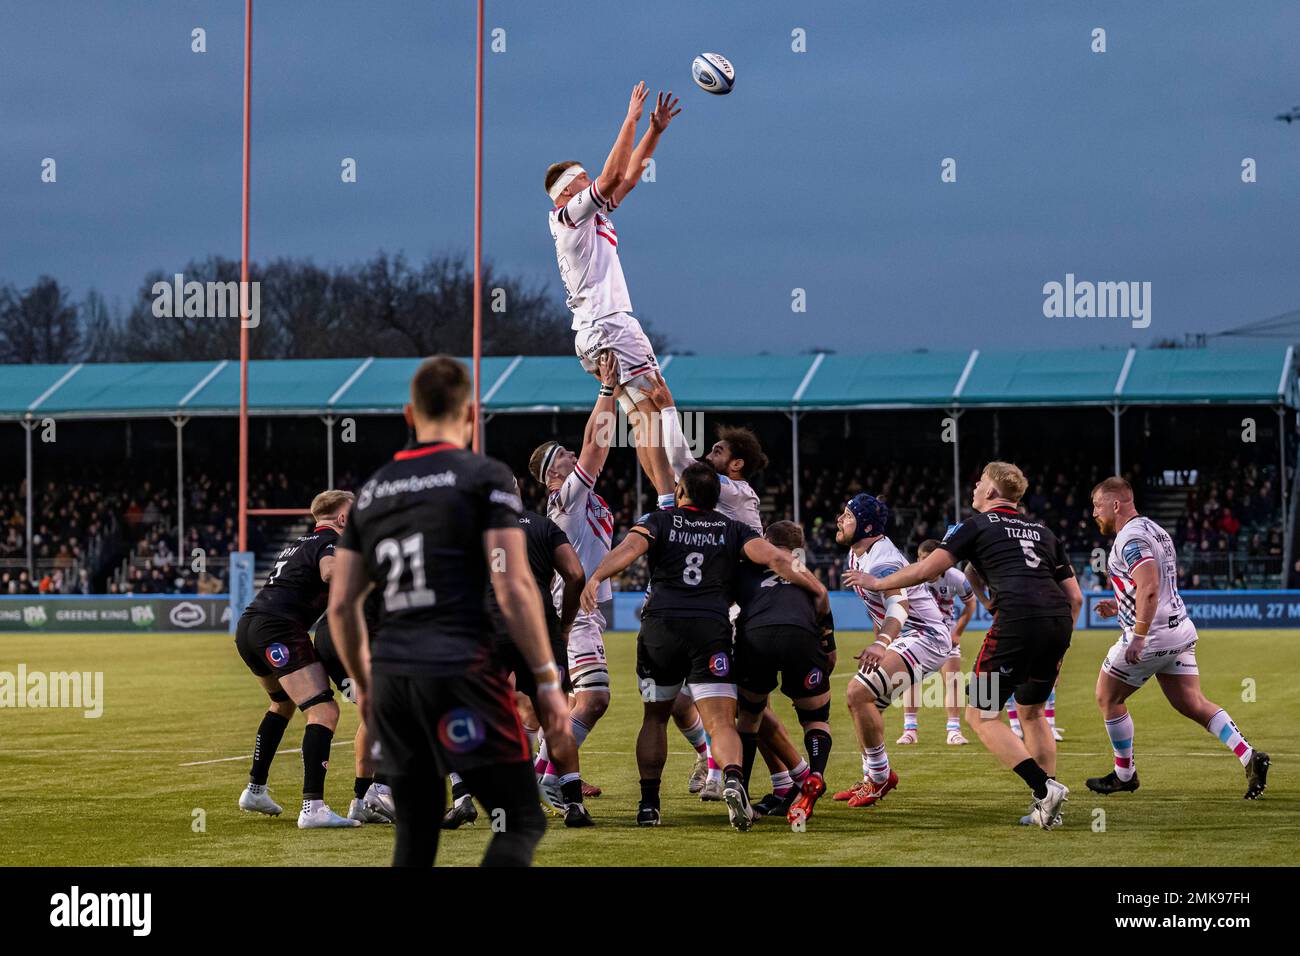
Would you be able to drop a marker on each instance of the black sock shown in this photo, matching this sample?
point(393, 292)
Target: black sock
point(733, 774)
point(748, 748)
point(315, 759)
point(571, 792)
point(381, 779)
point(1032, 774)
point(650, 793)
point(360, 785)
point(269, 735)
point(818, 744)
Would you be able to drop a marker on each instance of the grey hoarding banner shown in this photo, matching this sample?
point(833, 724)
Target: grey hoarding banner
point(145, 613)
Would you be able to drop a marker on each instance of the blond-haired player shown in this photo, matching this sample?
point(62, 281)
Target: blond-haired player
point(586, 248)
point(1035, 601)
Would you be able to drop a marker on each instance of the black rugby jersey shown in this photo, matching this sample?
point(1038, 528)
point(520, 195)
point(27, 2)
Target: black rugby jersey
point(294, 589)
point(694, 556)
point(767, 599)
point(1020, 560)
point(418, 524)
point(543, 536)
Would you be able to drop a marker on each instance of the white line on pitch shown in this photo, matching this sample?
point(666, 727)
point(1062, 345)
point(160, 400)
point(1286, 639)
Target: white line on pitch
point(294, 750)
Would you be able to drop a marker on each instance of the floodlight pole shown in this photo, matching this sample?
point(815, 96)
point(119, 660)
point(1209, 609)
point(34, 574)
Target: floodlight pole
point(179, 421)
point(243, 286)
point(794, 462)
point(329, 449)
point(956, 413)
point(1281, 481)
point(29, 426)
point(478, 231)
point(1116, 411)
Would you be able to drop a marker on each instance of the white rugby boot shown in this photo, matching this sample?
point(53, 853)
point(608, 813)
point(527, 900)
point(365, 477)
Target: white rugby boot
point(316, 814)
point(257, 799)
point(379, 798)
point(1047, 811)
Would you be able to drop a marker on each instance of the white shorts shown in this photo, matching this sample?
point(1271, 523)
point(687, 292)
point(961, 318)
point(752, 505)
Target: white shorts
point(1173, 652)
point(955, 653)
point(924, 655)
point(621, 334)
point(587, 668)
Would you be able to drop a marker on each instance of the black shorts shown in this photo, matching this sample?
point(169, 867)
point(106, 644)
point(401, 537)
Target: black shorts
point(442, 724)
point(507, 654)
point(1021, 657)
point(273, 646)
point(671, 651)
point(329, 657)
point(764, 652)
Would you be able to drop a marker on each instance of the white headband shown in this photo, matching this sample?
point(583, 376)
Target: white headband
point(561, 184)
point(546, 462)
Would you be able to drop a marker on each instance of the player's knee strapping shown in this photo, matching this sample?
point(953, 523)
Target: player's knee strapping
point(279, 696)
point(877, 682)
point(323, 697)
point(751, 706)
point(595, 679)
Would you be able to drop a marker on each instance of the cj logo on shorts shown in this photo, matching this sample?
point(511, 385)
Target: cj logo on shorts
point(813, 679)
point(278, 655)
point(461, 730)
point(720, 665)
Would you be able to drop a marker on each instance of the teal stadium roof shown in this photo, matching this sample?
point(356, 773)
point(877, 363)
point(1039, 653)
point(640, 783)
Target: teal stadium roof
point(518, 384)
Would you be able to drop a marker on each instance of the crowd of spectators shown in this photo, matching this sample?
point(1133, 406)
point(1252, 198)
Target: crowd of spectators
point(106, 536)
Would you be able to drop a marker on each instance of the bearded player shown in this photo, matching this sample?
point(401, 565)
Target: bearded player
point(1157, 639)
point(586, 247)
point(911, 639)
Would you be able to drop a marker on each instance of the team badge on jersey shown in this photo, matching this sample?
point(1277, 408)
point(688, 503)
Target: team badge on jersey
point(813, 679)
point(461, 730)
point(278, 655)
point(720, 664)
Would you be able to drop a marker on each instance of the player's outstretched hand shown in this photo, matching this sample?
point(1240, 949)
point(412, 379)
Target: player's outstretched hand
point(659, 393)
point(853, 578)
point(607, 368)
point(665, 109)
point(1107, 608)
point(1133, 652)
point(634, 105)
point(872, 656)
point(587, 599)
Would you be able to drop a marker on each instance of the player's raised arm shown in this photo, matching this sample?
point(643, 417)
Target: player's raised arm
point(674, 442)
point(569, 568)
point(349, 586)
point(933, 565)
point(611, 177)
point(599, 433)
point(635, 544)
point(665, 109)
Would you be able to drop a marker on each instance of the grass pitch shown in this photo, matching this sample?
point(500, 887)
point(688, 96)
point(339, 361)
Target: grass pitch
point(154, 780)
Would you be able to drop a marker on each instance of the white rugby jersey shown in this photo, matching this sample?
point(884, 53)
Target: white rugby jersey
point(947, 589)
point(587, 522)
point(923, 615)
point(1140, 541)
point(736, 499)
point(586, 247)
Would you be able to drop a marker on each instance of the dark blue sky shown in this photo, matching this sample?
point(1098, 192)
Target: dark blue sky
point(820, 171)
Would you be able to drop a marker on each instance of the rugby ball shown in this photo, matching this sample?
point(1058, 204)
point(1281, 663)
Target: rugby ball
point(713, 73)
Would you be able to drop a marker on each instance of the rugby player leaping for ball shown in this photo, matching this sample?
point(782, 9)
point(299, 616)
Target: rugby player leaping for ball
point(586, 247)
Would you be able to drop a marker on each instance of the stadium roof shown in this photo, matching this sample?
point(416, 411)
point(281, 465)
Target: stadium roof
point(979, 378)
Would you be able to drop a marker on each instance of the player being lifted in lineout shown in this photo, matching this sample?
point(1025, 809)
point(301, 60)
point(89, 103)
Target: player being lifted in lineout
point(586, 247)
